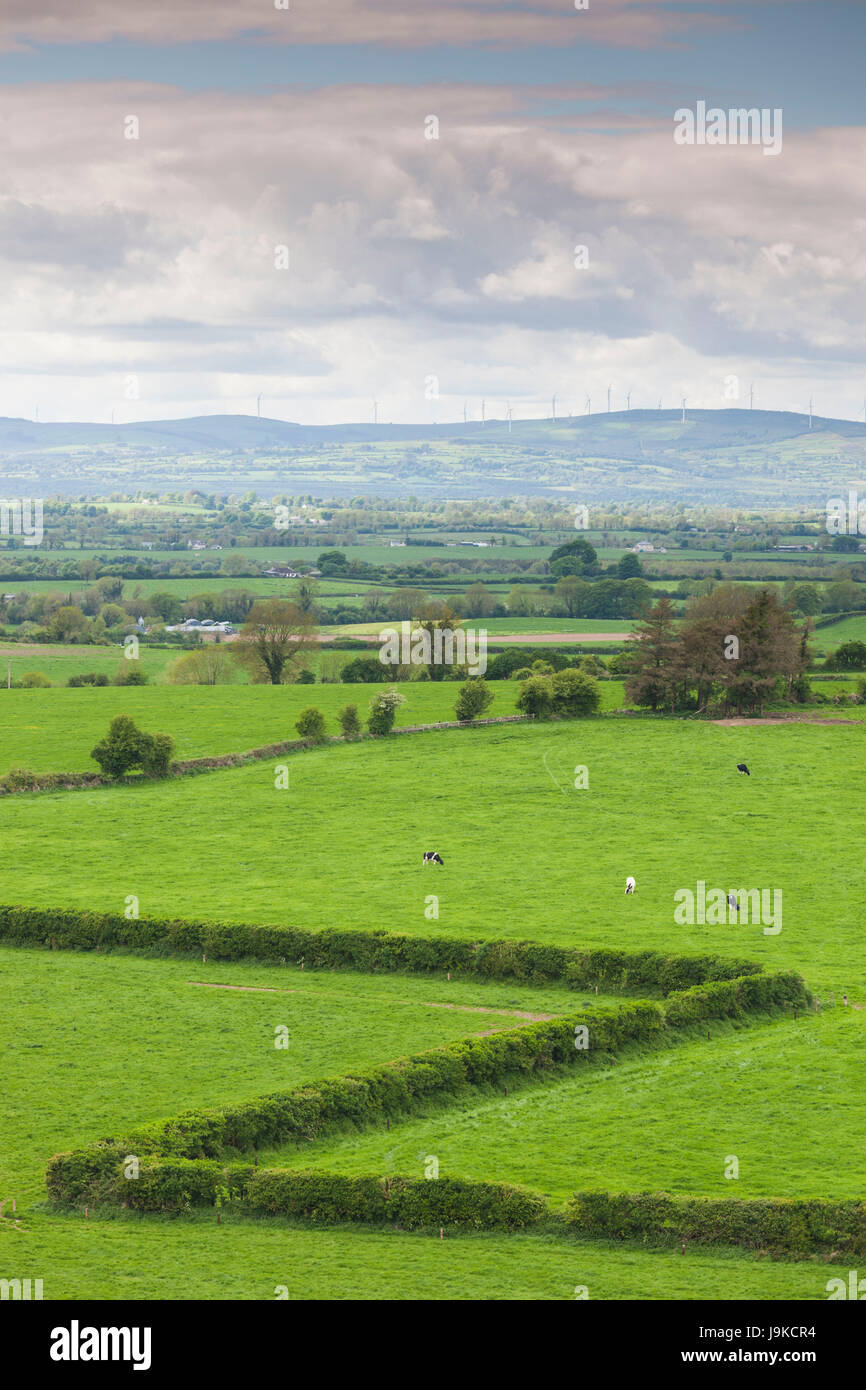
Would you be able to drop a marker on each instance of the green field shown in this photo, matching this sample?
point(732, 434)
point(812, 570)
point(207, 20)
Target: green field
point(108, 1041)
point(665, 803)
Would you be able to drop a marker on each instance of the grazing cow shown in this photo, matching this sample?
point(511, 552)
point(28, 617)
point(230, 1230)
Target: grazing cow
point(741, 767)
point(630, 884)
point(431, 857)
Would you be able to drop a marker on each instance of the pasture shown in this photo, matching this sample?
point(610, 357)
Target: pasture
point(108, 1041)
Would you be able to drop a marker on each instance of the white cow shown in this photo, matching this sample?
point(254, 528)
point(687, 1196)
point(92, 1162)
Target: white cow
point(630, 884)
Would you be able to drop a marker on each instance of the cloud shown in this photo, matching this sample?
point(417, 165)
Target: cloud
point(409, 257)
point(394, 23)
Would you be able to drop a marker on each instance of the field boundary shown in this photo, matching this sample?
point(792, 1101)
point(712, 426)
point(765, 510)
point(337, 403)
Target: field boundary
point(376, 951)
point(102, 1172)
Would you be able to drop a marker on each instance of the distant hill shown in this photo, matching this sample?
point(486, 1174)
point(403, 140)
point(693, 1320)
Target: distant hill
point(730, 455)
point(620, 433)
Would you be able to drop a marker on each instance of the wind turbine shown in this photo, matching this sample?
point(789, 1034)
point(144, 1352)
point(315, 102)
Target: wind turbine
point(375, 412)
point(811, 399)
point(684, 409)
point(465, 417)
point(589, 405)
point(483, 411)
point(752, 396)
point(608, 399)
point(508, 413)
point(553, 406)
point(660, 403)
point(628, 400)
point(259, 406)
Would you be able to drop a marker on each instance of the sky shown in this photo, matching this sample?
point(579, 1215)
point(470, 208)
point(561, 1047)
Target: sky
point(306, 207)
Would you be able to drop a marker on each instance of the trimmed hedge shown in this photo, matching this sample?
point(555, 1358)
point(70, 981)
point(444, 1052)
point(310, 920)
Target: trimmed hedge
point(409, 1202)
point(394, 1089)
point(733, 998)
point(790, 1227)
point(373, 951)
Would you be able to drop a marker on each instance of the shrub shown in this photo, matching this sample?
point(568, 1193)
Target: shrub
point(366, 669)
point(127, 747)
point(349, 721)
point(310, 724)
point(473, 699)
point(131, 676)
point(536, 697)
point(383, 710)
point(87, 678)
point(307, 678)
point(35, 680)
point(575, 693)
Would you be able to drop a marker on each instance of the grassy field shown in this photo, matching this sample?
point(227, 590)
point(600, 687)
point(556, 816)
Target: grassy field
point(342, 846)
point(786, 1102)
point(103, 1040)
point(93, 1044)
point(54, 730)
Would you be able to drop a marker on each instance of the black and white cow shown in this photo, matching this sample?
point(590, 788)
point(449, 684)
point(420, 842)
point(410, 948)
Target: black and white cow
point(431, 857)
point(732, 902)
point(741, 767)
point(630, 884)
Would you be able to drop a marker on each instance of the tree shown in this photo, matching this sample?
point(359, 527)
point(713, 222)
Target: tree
point(851, 656)
point(367, 670)
point(274, 641)
point(629, 567)
point(34, 680)
point(575, 557)
point(67, 624)
point(349, 721)
point(126, 747)
point(807, 599)
point(383, 710)
point(574, 594)
point(536, 697)
point(480, 603)
point(473, 698)
point(653, 658)
point(211, 664)
point(575, 693)
point(310, 724)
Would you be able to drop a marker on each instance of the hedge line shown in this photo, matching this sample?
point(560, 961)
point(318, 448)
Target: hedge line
point(401, 1087)
point(389, 1091)
point(374, 951)
point(816, 1226)
point(175, 1185)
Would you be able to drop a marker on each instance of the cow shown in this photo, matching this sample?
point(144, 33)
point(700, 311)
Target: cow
point(741, 767)
point(630, 884)
point(732, 902)
point(431, 857)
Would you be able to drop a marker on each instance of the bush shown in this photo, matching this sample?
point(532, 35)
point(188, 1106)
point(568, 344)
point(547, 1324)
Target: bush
point(307, 678)
point(474, 698)
point(310, 724)
point(87, 678)
point(34, 680)
point(366, 669)
point(536, 697)
point(133, 676)
point(349, 721)
point(127, 747)
point(383, 710)
point(575, 693)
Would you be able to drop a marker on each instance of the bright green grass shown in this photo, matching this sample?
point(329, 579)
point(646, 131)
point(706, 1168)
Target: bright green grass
point(60, 662)
point(92, 1044)
point(526, 855)
point(54, 730)
point(784, 1098)
point(827, 639)
point(109, 1041)
point(193, 1258)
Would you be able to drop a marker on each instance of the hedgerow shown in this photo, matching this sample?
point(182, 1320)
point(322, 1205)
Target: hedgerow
point(816, 1226)
point(370, 951)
